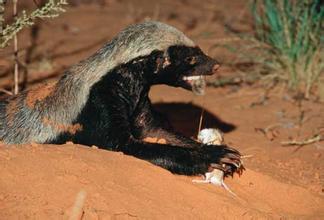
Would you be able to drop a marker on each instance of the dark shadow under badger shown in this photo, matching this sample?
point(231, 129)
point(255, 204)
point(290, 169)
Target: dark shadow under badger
point(104, 101)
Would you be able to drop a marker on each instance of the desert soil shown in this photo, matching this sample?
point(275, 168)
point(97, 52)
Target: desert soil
point(46, 181)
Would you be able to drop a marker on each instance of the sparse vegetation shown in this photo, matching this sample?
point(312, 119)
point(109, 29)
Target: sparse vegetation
point(50, 10)
point(287, 44)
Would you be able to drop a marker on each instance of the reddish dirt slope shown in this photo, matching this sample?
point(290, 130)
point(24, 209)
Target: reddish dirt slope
point(42, 182)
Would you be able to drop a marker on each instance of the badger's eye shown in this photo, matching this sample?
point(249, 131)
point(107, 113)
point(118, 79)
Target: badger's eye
point(192, 60)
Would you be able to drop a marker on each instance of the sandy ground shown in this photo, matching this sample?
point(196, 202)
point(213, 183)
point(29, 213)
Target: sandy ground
point(44, 181)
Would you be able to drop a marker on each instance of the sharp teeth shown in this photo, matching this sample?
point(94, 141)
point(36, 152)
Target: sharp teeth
point(190, 78)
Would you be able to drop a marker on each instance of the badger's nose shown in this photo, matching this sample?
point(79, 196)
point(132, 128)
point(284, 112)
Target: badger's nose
point(215, 67)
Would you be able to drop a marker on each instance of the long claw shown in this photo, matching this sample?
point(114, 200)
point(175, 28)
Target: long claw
point(230, 161)
point(225, 169)
point(232, 150)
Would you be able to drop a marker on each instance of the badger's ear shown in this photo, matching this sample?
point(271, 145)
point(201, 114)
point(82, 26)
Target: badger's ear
point(162, 62)
point(166, 62)
point(166, 59)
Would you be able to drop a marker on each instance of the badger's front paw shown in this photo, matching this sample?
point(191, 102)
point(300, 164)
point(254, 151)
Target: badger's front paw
point(225, 158)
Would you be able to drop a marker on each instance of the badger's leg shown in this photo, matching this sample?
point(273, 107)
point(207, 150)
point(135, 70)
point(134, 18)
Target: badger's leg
point(188, 157)
point(149, 125)
point(178, 159)
point(186, 161)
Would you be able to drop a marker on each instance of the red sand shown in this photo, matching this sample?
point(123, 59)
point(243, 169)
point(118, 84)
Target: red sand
point(43, 181)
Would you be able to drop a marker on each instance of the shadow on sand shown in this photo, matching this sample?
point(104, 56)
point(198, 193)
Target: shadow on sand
point(184, 117)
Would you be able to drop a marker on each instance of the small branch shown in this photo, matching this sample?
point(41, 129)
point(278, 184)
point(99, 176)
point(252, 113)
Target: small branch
point(314, 139)
point(16, 70)
point(6, 92)
point(200, 120)
point(50, 10)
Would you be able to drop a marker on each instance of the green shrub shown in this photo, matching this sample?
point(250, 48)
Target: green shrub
point(287, 44)
point(50, 10)
point(291, 35)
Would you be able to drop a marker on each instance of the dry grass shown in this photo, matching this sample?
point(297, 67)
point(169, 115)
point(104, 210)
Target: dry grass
point(287, 45)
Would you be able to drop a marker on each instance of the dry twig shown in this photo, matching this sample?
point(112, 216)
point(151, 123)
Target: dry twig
point(16, 70)
point(314, 139)
point(50, 10)
point(6, 92)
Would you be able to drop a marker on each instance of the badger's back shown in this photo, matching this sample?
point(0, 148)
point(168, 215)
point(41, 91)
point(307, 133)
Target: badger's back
point(41, 114)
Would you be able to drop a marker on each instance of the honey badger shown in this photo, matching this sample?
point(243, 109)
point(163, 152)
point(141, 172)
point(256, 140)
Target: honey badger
point(103, 101)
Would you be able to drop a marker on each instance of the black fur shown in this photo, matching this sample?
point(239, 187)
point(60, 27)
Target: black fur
point(118, 114)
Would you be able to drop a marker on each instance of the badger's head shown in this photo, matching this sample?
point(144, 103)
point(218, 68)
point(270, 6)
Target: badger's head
point(185, 66)
point(176, 60)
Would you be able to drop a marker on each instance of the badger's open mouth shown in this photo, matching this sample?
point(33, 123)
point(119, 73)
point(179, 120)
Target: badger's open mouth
point(195, 83)
point(195, 80)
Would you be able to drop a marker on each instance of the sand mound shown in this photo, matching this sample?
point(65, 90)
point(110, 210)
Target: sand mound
point(43, 181)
